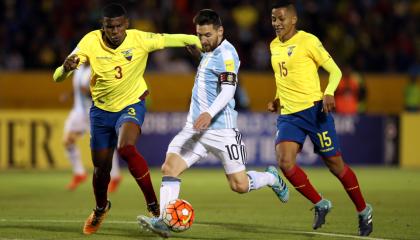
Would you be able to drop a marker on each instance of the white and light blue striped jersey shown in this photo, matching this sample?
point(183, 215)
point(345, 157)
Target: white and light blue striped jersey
point(224, 58)
point(81, 80)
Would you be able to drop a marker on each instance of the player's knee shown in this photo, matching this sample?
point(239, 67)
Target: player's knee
point(121, 149)
point(174, 165)
point(330, 164)
point(168, 169)
point(335, 164)
point(128, 135)
point(124, 144)
point(125, 151)
point(239, 187)
point(286, 155)
point(286, 165)
point(285, 161)
point(68, 143)
point(102, 171)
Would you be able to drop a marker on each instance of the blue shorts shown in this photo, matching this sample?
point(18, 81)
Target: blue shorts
point(104, 125)
point(313, 122)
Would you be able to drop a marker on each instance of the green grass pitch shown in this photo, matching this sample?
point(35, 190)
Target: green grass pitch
point(35, 205)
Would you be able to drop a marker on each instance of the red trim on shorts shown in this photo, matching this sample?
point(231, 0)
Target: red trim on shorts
point(337, 154)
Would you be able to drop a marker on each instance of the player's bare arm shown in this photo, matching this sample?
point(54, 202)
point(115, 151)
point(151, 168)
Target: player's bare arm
point(328, 103)
point(274, 105)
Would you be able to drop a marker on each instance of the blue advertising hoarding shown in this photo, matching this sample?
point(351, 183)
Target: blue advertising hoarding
point(365, 140)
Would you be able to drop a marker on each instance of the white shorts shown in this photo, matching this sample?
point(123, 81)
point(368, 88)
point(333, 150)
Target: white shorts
point(224, 144)
point(77, 121)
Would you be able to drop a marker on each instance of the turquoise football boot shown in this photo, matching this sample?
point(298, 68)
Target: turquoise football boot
point(279, 187)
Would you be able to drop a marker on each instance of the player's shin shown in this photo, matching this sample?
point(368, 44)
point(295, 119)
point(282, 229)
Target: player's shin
point(300, 181)
point(351, 185)
point(115, 170)
point(140, 171)
point(100, 183)
point(169, 190)
point(73, 154)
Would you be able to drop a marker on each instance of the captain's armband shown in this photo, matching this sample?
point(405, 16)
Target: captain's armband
point(227, 78)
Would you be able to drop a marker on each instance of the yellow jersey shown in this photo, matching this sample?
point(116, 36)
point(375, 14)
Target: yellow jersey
point(117, 74)
point(295, 63)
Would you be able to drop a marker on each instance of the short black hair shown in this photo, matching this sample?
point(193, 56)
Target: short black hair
point(113, 10)
point(207, 17)
point(283, 3)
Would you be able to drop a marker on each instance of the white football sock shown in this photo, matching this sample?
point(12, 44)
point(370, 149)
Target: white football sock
point(258, 180)
point(73, 154)
point(169, 190)
point(115, 170)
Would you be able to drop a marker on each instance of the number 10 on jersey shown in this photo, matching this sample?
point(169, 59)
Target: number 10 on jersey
point(236, 152)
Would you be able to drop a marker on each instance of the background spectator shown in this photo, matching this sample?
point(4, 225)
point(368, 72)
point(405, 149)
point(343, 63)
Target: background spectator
point(412, 95)
point(372, 36)
point(350, 95)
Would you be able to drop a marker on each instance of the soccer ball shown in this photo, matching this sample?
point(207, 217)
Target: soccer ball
point(178, 215)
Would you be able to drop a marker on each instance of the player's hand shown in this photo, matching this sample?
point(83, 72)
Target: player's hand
point(203, 121)
point(274, 105)
point(71, 63)
point(194, 51)
point(328, 103)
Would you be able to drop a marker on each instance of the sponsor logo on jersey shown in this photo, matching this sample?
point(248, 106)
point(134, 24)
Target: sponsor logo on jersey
point(103, 57)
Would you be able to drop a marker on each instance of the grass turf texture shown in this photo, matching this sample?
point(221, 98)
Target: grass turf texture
point(35, 205)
